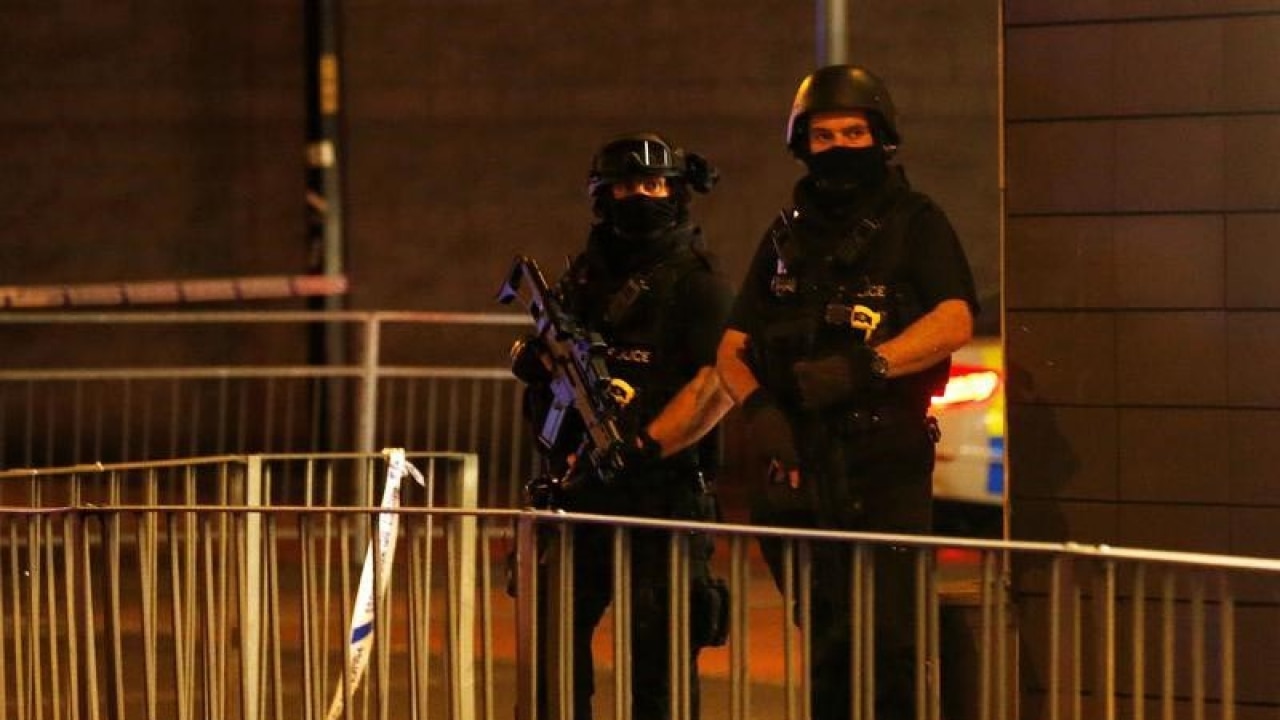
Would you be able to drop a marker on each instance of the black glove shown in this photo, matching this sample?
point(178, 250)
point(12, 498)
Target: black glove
point(527, 362)
point(834, 379)
point(639, 451)
point(769, 431)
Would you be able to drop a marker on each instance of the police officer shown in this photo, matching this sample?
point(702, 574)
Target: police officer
point(841, 333)
point(646, 283)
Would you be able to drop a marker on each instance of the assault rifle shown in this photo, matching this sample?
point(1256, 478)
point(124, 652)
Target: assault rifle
point(580, 377)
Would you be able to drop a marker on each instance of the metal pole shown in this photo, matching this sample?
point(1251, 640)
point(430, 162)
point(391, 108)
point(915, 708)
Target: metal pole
point(832, 32)
point(462, 545)
point(326, 252)
point(251, 624)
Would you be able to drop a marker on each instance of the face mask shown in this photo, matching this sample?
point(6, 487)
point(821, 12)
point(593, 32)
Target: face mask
point(846, 169)
point(642, 216)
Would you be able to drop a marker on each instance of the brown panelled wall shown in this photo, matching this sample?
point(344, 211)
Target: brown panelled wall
point(148, 140)
point(1143, 230)
point(1143, 314)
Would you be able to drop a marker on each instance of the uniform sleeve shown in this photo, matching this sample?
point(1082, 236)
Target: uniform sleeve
point(746, 311)
point(707, 301)
point(940, 271)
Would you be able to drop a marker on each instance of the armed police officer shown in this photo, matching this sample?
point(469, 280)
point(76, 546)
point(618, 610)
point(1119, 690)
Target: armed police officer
point(841, 333)
point(647, 285)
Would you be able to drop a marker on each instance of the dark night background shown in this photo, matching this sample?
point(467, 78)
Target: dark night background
point(165, 140)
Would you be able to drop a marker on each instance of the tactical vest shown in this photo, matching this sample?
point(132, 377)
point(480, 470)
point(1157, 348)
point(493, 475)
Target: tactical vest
point(831, 291)
point(641, 322)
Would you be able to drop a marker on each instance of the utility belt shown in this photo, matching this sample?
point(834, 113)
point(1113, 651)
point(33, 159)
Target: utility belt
point(848, 422)
point(679, 472)
point(684, 462)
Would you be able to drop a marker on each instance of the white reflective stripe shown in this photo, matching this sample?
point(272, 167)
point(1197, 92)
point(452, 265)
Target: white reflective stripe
point(361, 632)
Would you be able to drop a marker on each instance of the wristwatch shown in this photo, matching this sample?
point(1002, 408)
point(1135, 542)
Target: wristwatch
point(879, 366)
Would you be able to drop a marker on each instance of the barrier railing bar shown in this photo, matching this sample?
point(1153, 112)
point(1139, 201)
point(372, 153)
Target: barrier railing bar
point(1138, 641)
point(1077, 643)
point(788, 631)
point(1101, 585)
point(265, 316)
point(1107, 600)
point(1227, 660)
point(677, 625)
point(804, 576)
point(739, 579)
point(1003, 673)
point(858, 640)
point(1198, 694)
point(622, 638)
point(1068, 549)
point(487, 709)
point(251, 589)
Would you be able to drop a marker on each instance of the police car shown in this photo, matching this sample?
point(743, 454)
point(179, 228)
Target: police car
point(969, 479)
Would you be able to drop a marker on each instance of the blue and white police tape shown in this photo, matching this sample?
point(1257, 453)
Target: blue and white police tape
point(361, 637)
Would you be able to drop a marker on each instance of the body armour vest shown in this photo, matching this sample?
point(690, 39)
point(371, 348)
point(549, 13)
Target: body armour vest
point(840, 284)
point(639, 317)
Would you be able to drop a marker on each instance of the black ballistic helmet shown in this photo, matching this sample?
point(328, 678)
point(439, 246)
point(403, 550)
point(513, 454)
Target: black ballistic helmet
point(842, 87)
point(648, 154)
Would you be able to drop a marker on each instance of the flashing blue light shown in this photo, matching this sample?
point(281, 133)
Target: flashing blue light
point(995, 467)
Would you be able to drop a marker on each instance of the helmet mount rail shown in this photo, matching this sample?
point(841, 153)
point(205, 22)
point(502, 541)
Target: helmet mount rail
point(648, 154)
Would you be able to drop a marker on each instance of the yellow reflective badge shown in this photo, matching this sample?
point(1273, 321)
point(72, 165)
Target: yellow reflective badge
point(865, 319)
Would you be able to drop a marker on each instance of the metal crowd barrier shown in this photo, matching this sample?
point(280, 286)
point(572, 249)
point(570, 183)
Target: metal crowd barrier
point(1003, 629)
point(175, 590)
point(79, 387)
point(201, 589)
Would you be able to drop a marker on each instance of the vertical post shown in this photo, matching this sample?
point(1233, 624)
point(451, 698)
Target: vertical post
point(366, 413)
point(831, 32)
point(1227, 649)
point(366, 422)
point(739, 581)
point(527, 631)
point(326, 252)
point(462, 543)
point(251, 623)
point(622, 637)
point(1107, 641)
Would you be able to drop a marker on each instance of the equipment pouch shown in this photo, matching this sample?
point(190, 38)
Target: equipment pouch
point(771, 355)
point(709, 612)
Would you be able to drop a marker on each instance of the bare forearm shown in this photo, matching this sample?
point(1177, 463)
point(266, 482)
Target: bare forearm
point(930, 339)
point(735, 374)
point(691, 414)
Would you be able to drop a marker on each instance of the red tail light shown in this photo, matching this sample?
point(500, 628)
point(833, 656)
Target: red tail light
point(968, 384)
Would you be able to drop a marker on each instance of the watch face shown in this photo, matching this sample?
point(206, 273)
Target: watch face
point(879, 366)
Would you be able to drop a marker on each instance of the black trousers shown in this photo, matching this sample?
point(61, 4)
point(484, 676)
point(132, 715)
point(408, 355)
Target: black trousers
point(875, 481)
point(592, 587)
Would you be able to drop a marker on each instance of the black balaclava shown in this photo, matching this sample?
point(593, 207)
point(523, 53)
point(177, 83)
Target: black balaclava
point(841, 173)
point(637, 229)
point(639, 217)
point(626, 254)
